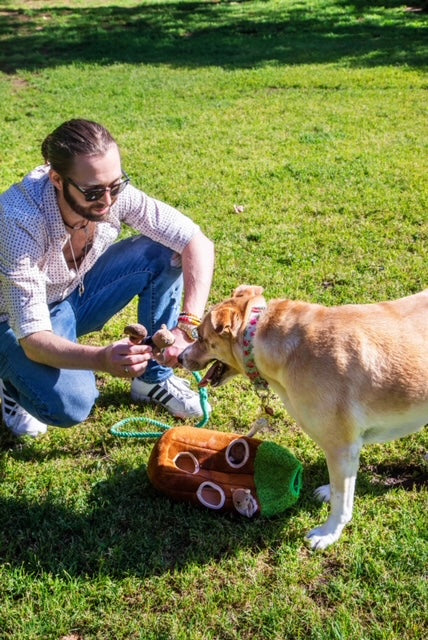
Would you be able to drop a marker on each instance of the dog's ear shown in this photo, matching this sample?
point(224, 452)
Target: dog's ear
point(247, 291)
point(226, 320)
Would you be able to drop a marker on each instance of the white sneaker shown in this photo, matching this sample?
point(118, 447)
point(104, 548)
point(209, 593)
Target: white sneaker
point(19, 421)
point(174, 394)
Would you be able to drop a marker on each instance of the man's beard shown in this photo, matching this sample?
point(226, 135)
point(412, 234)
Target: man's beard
point(84, 212)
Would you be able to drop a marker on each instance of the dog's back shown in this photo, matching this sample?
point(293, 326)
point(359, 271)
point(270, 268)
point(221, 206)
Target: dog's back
point(369, 362)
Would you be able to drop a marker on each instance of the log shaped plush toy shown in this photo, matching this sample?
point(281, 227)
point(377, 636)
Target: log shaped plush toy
point(225, 472)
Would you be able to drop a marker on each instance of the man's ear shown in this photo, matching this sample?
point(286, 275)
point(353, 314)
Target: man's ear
point(247, 291)
point(226, 321)
point(56, 179)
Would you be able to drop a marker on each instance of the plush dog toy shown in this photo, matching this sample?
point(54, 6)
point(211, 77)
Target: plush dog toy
point(225, 472)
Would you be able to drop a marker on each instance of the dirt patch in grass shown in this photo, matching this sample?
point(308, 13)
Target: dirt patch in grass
point(398, 475)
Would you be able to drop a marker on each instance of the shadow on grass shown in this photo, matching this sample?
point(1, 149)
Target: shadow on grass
point(231, 35)
point(127, 528)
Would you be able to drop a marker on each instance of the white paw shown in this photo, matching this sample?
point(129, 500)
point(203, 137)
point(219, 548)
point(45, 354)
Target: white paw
point(321, 538)
point(323, 493)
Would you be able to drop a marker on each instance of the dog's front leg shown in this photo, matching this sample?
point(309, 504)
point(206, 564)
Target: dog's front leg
point(342, 467)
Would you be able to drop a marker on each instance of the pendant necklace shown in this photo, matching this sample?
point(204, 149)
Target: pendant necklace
point(81, 286)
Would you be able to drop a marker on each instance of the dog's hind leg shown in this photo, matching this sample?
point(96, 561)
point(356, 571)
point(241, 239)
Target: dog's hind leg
point(342, 466)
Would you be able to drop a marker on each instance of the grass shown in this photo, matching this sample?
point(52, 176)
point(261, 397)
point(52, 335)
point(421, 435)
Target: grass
point(312, 115)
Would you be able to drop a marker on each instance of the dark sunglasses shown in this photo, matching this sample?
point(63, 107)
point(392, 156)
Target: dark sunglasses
point(96, 193)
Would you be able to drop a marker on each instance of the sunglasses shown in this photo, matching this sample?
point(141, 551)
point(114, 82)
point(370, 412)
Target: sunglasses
point(96, 193)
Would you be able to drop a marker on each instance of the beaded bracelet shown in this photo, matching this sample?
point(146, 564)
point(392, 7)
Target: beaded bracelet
point(189, 318)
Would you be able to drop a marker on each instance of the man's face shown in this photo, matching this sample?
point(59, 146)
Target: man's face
point(89, 172)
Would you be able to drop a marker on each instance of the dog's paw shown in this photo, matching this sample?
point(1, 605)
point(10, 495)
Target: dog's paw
point(323, 493)
point(321, 537)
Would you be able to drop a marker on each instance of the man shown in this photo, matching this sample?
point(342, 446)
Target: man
point(62, 275)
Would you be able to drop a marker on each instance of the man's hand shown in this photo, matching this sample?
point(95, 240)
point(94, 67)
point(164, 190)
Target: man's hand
point(127, 360)
point(169, 356)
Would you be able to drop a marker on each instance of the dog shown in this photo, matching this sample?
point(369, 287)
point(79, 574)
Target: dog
point(349, 375)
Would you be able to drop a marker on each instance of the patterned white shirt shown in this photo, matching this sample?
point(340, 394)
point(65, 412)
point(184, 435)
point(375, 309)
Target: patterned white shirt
point(33, 270)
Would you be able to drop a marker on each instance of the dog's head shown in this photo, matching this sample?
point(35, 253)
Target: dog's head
point(219, 337)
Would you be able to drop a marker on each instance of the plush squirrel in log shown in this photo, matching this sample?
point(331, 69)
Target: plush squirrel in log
point(224, 471)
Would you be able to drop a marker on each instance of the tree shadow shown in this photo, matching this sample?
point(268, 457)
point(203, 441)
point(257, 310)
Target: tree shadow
point(195, 34)
point(127, 528)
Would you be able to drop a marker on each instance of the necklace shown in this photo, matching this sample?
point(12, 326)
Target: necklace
point(75, 227)
point(84, 228)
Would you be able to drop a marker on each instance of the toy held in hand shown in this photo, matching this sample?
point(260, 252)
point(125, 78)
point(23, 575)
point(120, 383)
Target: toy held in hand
point(160, 340)
point(225, 472)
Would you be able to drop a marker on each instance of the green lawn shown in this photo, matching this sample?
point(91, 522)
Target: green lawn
point(311, 115)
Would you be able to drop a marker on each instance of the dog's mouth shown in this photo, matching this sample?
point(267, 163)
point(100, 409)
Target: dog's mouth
point(215, 374)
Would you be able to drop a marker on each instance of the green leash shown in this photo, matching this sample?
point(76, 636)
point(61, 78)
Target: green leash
point(117, 429)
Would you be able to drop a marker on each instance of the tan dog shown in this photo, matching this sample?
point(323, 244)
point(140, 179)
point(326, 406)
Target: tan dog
point(349, 375)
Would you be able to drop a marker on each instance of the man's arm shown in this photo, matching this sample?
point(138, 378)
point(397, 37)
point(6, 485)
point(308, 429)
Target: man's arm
point(47, 348)
point(198, 267)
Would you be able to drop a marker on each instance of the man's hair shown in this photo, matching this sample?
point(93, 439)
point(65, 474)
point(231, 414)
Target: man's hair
point(74, 138)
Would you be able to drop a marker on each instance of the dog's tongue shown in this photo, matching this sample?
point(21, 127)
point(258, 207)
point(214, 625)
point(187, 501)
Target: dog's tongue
point(210, 374)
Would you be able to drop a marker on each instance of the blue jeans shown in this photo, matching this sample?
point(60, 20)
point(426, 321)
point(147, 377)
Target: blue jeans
point(133, 267)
